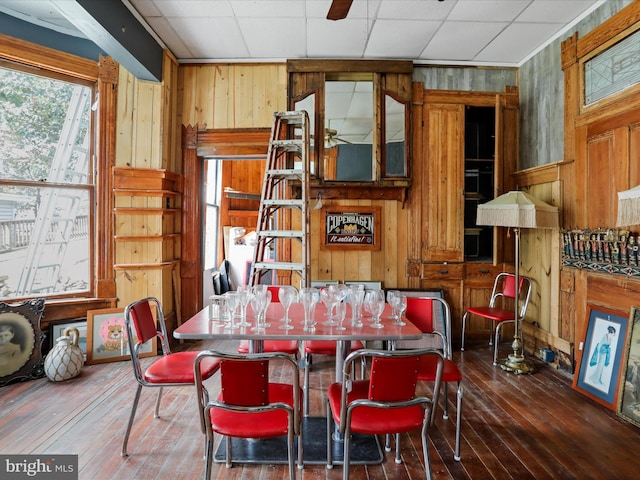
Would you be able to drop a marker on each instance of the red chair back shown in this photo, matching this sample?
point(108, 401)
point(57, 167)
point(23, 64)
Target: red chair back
point(393, 379)
point(245, 383)
point(420, 313)
point(143, 321)
point(509, 287)
point(275, 293)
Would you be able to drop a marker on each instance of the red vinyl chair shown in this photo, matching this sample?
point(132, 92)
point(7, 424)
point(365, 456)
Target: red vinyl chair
point(249, 405)
point(420, 312)
point(386, 403)
point(504, 287)
point(172, 369)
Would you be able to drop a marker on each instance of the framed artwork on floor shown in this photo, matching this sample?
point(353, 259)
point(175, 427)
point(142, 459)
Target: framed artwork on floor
point(599, 355)
point(21, 341)
point(629, 395)
point(107, 337)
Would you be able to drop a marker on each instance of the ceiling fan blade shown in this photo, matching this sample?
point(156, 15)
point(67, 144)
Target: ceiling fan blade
point(339, 9)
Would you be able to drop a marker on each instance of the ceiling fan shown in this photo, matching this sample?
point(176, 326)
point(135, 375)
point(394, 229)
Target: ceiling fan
point(339, 9)
point(331, 138)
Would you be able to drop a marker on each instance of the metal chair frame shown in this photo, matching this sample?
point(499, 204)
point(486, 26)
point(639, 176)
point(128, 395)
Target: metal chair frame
point(450, 368)
point(206, 405)
point(135, 344)
point(503, 287)
point(347, 408)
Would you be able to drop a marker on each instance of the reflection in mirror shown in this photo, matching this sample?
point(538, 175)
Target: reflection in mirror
point(394, 137)
point(308, 104)
point(349, 134)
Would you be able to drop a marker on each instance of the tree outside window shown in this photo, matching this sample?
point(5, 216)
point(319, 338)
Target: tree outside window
point(46, 185)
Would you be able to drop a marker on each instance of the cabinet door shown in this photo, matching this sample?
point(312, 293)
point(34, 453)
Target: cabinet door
point(443, 230)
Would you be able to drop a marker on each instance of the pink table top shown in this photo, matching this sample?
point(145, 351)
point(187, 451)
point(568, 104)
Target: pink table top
point(199, 327)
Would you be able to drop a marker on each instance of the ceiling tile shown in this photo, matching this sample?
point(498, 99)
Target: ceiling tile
point(514, 42)
point(399, 38)
point(267, 9)
point(277, 38)
point(415, 9)
point(487, 10)
point(461, 41)
point(336, 39)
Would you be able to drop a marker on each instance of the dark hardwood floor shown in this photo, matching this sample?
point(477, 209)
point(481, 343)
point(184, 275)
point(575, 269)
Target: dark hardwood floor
point(514, 427)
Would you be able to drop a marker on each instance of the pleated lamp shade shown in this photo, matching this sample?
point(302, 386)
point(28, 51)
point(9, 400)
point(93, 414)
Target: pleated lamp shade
point(629, 207)
point(517, 209)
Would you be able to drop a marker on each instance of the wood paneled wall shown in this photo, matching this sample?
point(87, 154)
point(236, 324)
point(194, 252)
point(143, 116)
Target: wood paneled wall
point(246, 96)
point(231, 95)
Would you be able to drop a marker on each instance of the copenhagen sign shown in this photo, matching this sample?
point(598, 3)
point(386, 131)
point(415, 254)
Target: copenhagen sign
point(351, 227)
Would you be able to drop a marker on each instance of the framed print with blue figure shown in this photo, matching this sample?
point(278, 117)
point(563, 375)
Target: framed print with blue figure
point(599, 355)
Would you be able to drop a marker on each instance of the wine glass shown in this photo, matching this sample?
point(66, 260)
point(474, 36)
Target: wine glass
point(355, 297)
point(341, 312)
point(328, 297)
point(392, 299)
point(401, 306)
point(260, 300)
point(232, 303)
point(308, 298)
point(244, 297)
point(287, 295)
point(375, 301)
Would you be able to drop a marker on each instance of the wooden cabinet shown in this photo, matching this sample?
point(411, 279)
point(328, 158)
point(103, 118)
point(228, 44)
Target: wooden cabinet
point(469, 151)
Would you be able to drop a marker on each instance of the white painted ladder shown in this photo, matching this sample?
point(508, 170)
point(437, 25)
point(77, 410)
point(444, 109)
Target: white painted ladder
point(283, 219)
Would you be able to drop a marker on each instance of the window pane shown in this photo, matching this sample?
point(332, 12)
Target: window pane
point(44, 129)
point(44, 241)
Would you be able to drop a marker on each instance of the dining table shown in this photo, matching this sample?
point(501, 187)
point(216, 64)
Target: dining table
point(366, 449)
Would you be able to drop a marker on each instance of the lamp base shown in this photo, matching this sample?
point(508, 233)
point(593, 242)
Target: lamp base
point(516, 364)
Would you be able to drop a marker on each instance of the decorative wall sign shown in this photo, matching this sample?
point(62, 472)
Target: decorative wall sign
point(351, 228)
point(21, 341)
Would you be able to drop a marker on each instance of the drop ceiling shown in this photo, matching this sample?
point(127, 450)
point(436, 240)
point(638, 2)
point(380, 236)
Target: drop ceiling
point(464, 32)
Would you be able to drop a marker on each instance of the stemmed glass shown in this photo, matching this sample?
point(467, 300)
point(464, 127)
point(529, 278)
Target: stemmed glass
point(355, 297)
point(287, 295)
point(308, 298)
point(392, 299)
point(401, 306)
point(244, 297)
point(232, 302)
point(328, 296)
point(374, 299)
point(341, 312)
point(260, 300)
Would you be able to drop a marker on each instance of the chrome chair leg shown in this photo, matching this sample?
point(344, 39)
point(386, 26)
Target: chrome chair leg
point(157, 411)
point(136, 399)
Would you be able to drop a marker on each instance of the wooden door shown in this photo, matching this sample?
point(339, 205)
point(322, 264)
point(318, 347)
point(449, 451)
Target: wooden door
point(443, 201)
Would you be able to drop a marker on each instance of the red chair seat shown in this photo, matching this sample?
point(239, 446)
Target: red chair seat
point(255, 425)
point(370, 420)
point(178, 368)
point(428, 366)
point(327, 347)
point(271, 346)
point(495, 314)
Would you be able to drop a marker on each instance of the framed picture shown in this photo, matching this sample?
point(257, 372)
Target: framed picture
point(57, 331)
point(21, 341)
point(351, 228)
point(599, 355)
point(629, 395)
point(107, 337)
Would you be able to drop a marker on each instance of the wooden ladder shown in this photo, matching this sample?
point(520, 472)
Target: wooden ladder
point(283, 218)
